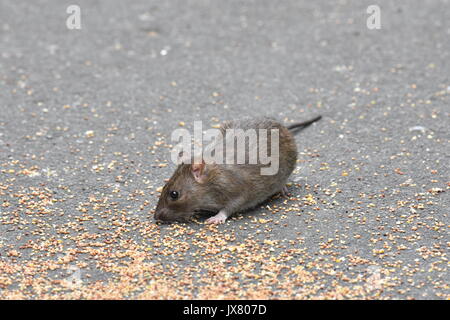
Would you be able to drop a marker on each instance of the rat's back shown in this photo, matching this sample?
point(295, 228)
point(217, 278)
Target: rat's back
point(270, 157)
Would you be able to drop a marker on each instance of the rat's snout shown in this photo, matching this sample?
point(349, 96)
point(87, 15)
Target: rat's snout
point(168, 215)
point(161, 214)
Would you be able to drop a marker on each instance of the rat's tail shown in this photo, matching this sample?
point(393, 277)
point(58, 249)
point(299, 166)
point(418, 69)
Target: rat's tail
point(302, 125)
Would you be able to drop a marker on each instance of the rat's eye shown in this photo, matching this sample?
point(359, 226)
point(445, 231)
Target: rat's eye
point(174, 195)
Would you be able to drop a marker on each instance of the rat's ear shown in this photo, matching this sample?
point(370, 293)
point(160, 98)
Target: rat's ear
point(199, 171)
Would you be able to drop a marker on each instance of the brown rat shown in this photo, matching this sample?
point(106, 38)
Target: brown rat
point(229, 188)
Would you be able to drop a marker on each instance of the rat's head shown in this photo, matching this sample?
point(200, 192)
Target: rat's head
point(185, 193)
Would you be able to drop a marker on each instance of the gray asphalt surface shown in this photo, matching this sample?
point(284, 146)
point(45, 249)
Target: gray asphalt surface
point(85, 123)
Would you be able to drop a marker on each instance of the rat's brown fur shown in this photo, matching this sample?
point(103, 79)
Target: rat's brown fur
point(228, 188)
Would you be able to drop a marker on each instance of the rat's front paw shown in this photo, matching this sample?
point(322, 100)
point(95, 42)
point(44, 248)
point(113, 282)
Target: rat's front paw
point(217, 219)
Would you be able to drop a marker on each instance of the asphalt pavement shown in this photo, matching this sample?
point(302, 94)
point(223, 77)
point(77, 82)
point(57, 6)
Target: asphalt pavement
point(86, 117)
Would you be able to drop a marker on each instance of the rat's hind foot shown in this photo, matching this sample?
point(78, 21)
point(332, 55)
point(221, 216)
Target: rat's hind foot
point(221, 217)
point(284, 191)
